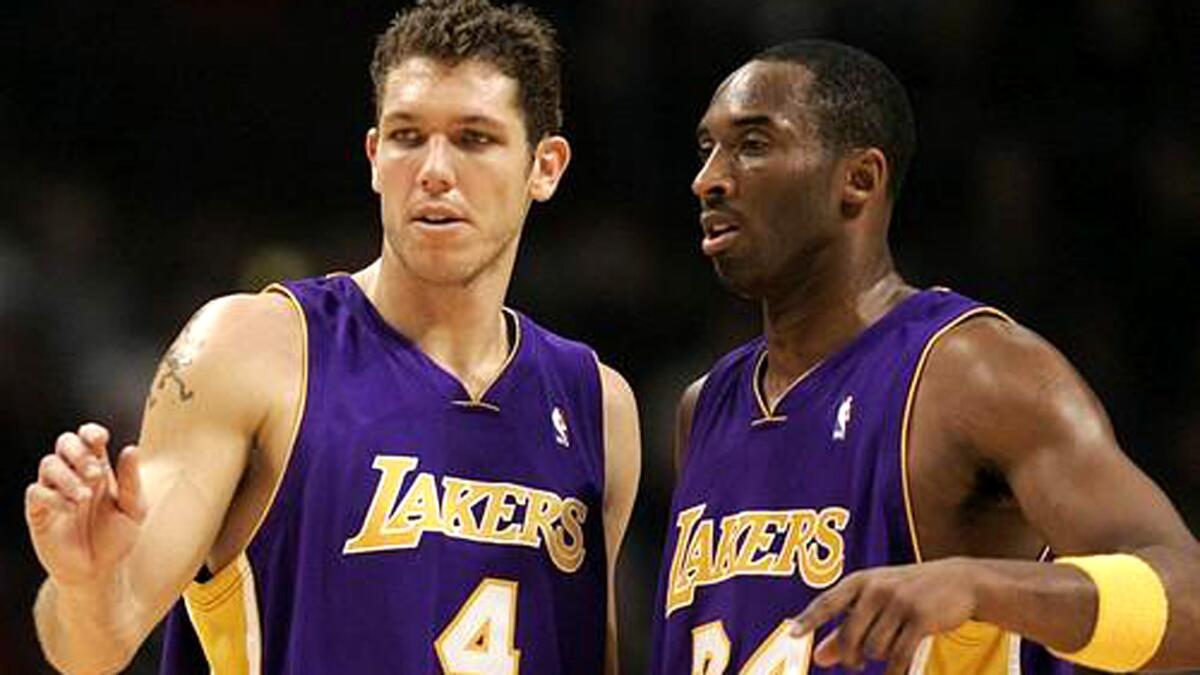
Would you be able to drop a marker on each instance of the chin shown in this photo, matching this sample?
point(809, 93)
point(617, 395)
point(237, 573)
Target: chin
point(739, 278)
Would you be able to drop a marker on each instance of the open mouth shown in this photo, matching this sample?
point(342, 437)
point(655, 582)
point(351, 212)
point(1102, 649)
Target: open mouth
point(719, 233)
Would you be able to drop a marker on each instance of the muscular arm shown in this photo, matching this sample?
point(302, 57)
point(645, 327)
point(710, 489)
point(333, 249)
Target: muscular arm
point(622, 467)
point(1004, 395)
point(207, 403)
point(996, 398)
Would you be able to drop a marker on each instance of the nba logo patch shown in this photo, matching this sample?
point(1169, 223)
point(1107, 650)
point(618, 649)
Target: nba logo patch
point(843, 418)
point(559, 421)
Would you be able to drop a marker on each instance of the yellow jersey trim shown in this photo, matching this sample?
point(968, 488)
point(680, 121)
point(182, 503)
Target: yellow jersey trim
point(224, 613)
point(906, 421)
point(769, 415)
point(480, 401)
point(297, 418)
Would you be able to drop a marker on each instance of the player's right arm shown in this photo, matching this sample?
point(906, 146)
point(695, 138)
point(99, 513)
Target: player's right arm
point(120, 544)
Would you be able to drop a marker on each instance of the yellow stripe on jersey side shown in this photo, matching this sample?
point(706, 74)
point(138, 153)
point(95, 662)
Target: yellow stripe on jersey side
point(906, 422)
point(224, 612)
point(301, 403)
point(971, 649)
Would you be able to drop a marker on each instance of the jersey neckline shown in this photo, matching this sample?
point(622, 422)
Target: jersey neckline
point(770, 414)
point(445, 382)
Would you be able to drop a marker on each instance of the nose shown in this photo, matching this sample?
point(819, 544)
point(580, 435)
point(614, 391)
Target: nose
point(436, 174)
point(713, 180)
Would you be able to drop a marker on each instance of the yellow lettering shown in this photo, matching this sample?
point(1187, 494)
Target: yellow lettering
point(458, 497)
point(757, 540)
point(799, 532)
point(371, 536)
point(680, 587)
point(466, 509)
point(418, 512)
point(732, 527)
point(565, 544)
point(544, 508)
point(820, 571)
point(498, 508)
point(812, 543)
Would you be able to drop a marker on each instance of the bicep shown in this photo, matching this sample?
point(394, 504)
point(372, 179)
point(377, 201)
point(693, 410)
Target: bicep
point(1024, 409)
point(195, 440)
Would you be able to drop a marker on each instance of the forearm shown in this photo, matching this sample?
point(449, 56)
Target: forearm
point(1057, 605)
point(87, 631)
point(1178, 568)
point(1054, 605)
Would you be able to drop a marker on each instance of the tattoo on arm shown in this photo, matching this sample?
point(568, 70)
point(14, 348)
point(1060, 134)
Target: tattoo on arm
point(178, 358)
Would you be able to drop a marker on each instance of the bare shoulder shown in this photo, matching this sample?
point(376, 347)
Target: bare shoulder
point(622, 434)
point(236, 346)
point(618, 395)
point(1003, 389)
point(685, 411)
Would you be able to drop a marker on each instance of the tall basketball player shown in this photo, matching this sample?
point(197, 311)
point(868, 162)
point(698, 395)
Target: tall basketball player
point(889, 463)
point(382, 472)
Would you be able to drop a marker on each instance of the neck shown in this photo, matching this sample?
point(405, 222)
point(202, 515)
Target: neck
point(842, 294)
point(460, 327)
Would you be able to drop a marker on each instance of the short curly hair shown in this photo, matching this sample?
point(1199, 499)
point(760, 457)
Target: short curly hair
point(514, 39)
point(856, 101)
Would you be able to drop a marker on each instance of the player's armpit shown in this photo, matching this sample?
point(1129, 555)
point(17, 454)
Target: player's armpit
point(622, 469)
point(1003, 394)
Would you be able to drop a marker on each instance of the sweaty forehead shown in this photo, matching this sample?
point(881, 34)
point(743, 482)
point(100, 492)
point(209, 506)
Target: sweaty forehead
point(771, 90)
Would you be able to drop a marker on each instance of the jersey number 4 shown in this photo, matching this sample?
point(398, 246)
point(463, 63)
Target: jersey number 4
point(479, 640)
point(779, 654)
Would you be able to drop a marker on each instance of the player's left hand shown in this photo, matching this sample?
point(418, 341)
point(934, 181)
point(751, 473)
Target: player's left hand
point(889, 610)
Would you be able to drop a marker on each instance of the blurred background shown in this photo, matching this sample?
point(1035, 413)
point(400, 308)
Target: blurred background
point(159, 154)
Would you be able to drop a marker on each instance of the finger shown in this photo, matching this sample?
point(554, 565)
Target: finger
point(72, 448)
point(826, 606)
point(54, 473)
point(877, 644)
point(860, 619)
point(130, 499)
point(827, 654)
point(41, 502)
point(96, 437)
point(904, 650)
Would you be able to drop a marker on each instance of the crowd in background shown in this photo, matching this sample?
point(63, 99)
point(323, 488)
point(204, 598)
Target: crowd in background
point(155, 155)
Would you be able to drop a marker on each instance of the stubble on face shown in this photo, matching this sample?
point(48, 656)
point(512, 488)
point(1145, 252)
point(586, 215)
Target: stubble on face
point(451, 137)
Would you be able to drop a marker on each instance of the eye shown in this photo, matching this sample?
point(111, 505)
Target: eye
point(407, 136)
point(754, 145)
point(475, 138)
point(704, 150)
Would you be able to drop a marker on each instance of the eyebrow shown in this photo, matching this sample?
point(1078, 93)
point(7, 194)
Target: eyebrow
point(741, 123)
point(482, 120)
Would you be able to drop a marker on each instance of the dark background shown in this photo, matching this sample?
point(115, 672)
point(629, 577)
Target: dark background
point(158, 154)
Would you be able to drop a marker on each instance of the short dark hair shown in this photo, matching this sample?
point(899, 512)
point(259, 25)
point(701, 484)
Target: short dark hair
point(855, 100)
point(514, 39)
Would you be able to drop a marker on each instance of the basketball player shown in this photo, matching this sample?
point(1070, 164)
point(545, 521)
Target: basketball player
point(889, 463)
point(382, 472)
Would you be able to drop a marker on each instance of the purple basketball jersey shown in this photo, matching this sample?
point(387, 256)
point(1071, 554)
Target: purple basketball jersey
point(418, 530)
point(775, 505)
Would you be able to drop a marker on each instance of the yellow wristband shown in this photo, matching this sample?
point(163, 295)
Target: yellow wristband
point(1131, 614)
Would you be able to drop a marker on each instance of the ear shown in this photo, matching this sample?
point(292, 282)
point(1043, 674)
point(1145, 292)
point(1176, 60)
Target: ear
point(550, 160)
point(865, 177)
point(372, 147)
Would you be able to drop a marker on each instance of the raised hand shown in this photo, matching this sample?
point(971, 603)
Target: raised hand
point(84, 517)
